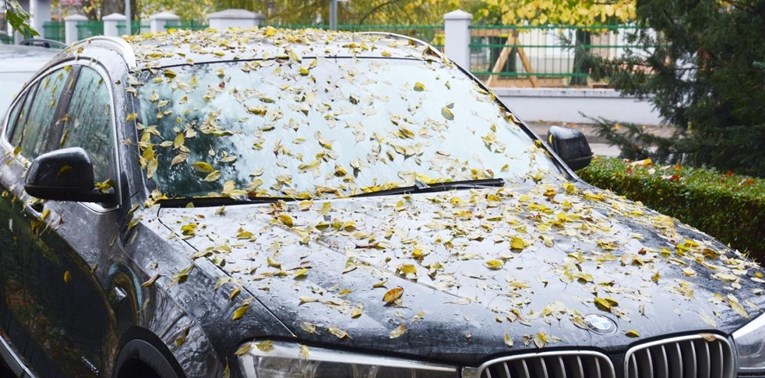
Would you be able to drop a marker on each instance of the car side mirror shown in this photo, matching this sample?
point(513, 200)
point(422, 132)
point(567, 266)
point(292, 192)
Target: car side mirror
point(570, 145)
point(65, 175)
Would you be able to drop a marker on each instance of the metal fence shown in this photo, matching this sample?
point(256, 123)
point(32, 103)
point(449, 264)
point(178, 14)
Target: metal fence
point(86, 29)
point(501, 55)
point(136, 27)
point(433, 34)
point(545, 55)
point(186, 25)
point(54, 30)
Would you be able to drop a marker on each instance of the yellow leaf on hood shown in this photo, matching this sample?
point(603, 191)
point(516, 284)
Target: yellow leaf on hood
point(265, 346)
point(393, 295)
point(517, 243)
point(240, 311)
point(337, 332)
point(398, 332)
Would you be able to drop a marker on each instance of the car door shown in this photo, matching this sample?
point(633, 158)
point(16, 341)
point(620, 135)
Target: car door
point(59, 315)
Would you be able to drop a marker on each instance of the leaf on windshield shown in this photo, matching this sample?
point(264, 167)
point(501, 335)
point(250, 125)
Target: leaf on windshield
point(408, 270)
point(518, 244)
point(202, 167)
point(179, 140)
point(273, 263)
point(182, 276)
point(243, 234)
point(305, 205)
point(300, 273)
point(447, 113)
point(293, 56)
point(286, 220)
point(178, 159)
point(213, 176)
point(189, 229)
point(392, 295)
point(494, 264)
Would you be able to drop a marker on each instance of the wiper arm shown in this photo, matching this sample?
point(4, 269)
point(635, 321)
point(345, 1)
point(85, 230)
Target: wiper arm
point(420, 187)
point(219, 201)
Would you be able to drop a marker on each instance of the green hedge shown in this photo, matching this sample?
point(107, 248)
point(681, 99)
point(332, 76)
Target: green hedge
point(727, 206)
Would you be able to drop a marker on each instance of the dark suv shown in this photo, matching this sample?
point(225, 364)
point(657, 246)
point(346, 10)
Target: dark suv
point(275, 203)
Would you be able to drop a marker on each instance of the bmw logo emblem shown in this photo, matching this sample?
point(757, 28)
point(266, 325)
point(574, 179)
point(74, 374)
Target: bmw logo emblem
point(600, 324)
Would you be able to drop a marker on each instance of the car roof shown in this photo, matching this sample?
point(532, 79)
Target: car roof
point(182, 47)
point(15, 58)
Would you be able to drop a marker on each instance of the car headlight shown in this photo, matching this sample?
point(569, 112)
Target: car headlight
point(750, 345)
point(284, 359)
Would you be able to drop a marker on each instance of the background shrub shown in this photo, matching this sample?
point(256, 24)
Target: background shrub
point(727, 206)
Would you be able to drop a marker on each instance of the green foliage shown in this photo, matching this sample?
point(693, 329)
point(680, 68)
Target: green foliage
point(727, 206)
point(19, 19)
point(700, 65)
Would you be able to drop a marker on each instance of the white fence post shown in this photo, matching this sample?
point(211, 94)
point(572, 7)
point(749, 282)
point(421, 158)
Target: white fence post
point(158, 21)
point(110, 24)
point(235, 18)
point(457, 37)
point(70, 28)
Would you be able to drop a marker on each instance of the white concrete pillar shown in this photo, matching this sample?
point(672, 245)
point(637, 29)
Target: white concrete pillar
point(41, 14)
point(158, 21)
point(457, 37)
point(110, 24)
point(235, 18)
point(70, 27)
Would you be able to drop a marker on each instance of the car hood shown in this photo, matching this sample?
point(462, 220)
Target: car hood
point(463, 275)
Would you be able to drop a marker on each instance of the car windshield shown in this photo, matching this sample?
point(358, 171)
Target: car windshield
point(325, 128)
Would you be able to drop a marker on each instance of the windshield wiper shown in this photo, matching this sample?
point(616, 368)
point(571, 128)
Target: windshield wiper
point(421, 187)
point(219, 201)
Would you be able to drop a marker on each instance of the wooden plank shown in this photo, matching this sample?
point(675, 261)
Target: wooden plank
point(502, 59)
point(528, 68)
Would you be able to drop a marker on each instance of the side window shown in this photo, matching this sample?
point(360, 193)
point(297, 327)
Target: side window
point(32, 129)
point(18, 113)
point(88, 121)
